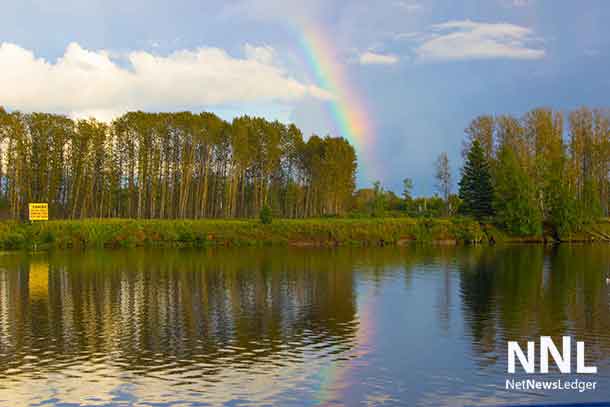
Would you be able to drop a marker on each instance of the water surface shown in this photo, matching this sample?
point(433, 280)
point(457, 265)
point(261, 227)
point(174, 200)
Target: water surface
point(294, 327)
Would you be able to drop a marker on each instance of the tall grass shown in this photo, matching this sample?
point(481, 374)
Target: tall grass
point(99, 233)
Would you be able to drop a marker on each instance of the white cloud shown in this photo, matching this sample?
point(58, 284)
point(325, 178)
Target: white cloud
point(263, 54)
point(85, 82)
point(458, 40)
point(372, 58)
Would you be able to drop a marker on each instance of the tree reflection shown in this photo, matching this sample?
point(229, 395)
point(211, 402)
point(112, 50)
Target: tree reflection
point(216, 308)
point(193, 314)
point(522, 293)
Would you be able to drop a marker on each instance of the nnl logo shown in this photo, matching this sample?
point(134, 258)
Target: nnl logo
point(562, 360)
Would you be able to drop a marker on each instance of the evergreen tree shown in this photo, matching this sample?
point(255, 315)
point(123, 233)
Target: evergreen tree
point(476, 191)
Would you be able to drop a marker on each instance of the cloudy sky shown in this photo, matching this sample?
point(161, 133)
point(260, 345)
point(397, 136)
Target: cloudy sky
point(418, 70)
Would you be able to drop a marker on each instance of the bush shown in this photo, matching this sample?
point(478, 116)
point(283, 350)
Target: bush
point(265, 215)
point(466, 230)
point(14, 240)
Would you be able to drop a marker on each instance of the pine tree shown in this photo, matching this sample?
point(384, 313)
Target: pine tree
point(476, 191)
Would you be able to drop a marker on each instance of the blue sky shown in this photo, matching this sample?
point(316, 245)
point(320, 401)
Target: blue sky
point(424, 68)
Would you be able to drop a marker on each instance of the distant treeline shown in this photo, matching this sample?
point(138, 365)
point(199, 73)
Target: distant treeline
point(525, 173)
point(170, 165)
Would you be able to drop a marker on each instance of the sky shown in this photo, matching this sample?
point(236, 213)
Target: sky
point(400, 79)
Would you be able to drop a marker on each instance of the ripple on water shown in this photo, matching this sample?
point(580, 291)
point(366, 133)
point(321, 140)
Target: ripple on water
point(403, 326)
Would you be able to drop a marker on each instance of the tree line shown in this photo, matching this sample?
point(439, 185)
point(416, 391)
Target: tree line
point(521, 173)
point(170, 165)
point(527, 173)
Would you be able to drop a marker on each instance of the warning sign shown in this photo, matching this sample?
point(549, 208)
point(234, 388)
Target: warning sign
point(39, 211)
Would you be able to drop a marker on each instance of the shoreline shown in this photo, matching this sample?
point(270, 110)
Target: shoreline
point(317, 232)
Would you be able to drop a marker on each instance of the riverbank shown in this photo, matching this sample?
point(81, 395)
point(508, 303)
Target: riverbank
point(99, 233)
point(596, 232)
point(111, 233)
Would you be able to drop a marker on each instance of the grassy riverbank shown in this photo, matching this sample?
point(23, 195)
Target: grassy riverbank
point(307, 232)
point(99, 233)
point(598, 231)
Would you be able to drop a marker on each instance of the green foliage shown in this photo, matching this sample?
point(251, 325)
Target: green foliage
point(407, 189)
point(14, 240)
point(466, 230)
point(539, 176)
point(432, 207)
point(589, 207)
point(515, 197)
point(265, 215)
point(378, 203)
point(476, 191)
point(454, 203)
point(563, 211)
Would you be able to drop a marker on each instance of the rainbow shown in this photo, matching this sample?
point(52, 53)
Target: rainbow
point(335, 377)
point(347, 107)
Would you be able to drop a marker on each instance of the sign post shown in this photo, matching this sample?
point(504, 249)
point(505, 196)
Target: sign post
point(39, 211)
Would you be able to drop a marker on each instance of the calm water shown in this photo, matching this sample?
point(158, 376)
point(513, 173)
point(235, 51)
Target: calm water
point(301, 327)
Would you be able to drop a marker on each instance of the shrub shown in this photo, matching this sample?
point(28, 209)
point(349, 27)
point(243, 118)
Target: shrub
point(265, 215)
point(14, 240)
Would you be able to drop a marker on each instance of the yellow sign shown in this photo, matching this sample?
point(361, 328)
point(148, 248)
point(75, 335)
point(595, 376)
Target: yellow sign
point(39, 211)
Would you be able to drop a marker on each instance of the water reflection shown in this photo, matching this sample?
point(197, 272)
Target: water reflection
point(419, 325)
point(522, 293)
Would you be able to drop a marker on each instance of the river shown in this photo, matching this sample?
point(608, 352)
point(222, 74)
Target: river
point(295, 327)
